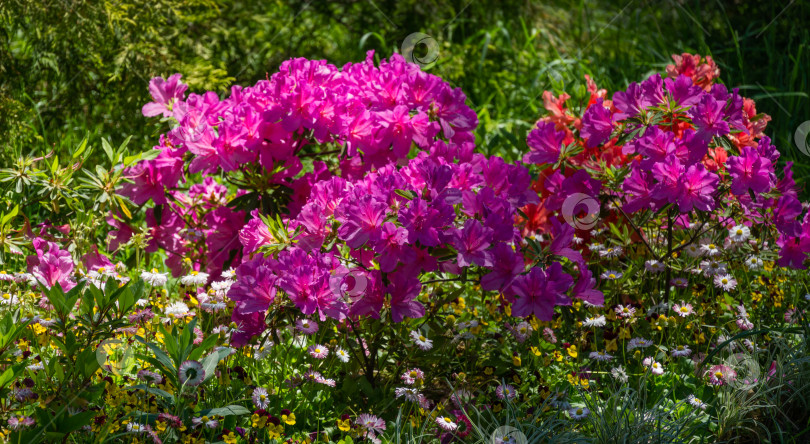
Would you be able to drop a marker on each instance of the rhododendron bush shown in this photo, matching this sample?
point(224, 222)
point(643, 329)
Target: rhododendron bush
point(326, 255)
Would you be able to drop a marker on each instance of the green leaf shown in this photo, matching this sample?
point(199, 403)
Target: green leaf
point(80, 149)
point(10, 215)
point(108, 150)
point(225, 411)
point(210, 362)
point(154, 390)
point(407, 194)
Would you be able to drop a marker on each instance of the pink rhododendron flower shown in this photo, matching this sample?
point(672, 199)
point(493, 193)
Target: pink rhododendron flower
point(51, 265)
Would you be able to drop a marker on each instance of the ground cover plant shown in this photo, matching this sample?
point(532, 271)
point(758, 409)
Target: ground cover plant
point(328, 255)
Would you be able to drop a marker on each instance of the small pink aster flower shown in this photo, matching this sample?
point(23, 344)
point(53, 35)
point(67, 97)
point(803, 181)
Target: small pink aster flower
point(683, 310)
point(625, 311)
point(191, 373)
point(549, 335)
point(681, 351)
point(318, 351)
point(260, 398)
point(505, 391)
point(579, 413)
point(601, 356)
point(744, 323)
point(721, 374)
point(446, 423)
point(306, 326)
point(413, 375)
point(679, 282)
point(421, 340)
point(725, 281)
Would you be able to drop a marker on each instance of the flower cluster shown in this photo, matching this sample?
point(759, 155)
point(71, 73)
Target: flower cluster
point(366, 244)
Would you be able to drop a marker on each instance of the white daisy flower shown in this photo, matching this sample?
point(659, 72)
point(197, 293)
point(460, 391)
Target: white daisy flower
point(725, 281)
point(681, 351)
point(601, 356)
point(155, 278)
point(446, 423)
point(9, 299)
point(710, 249)
point(134, 427)
point(421, 340)
point(611, 252)
point(594, 321)
point(696, 402)
point(579, 413)
point(638, 343)
point(713, 267)
point(625, 311)
point(693, 250)
point(619, 374)
point(176, 309)
point(753, 263)
point(611, 275)
point(739, 233)
point(654, 266)
point(342, 355)
point(191, 373)
point(596, 247)
point(194, 278)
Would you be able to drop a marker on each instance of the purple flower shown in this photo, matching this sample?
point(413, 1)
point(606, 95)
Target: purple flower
point(506, 265)
point(255, 286)
point(390, 247)
point(545, 143)
point(50, 265)
point(750, 171)
point(164, 93)
point(539, 291)
point(597, 124)
point(682, 91)
point(400, 129)
point(653, 90)
point(150, 177)
point(631, 102)
point(423, 220)
point(361, 219)
point(255, 234)
point(563, 238)
point(404, 289)
point(638, 187)
point(793, 251)
point(304, 277)
point(707, 116)
point(585, 288)
point(696, 188)
point(471, 242)
point(655, 145)
point(231, 146)
point(579, 182)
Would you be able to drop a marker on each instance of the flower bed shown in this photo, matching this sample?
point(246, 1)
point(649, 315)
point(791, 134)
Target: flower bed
point(325, 256)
